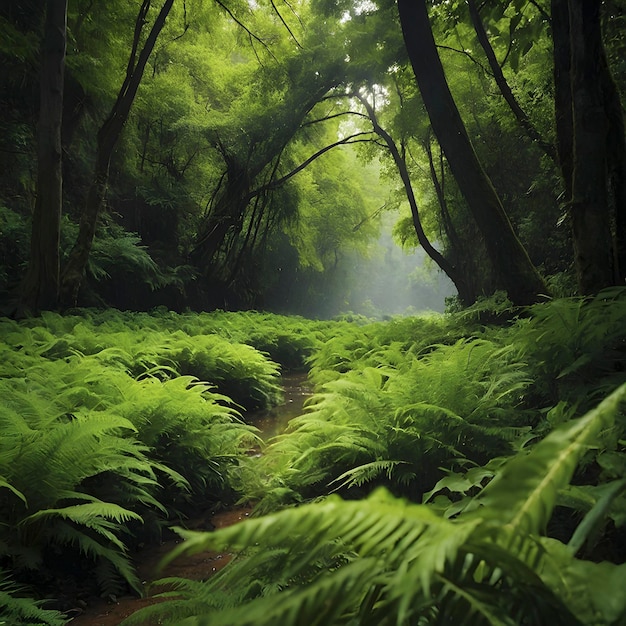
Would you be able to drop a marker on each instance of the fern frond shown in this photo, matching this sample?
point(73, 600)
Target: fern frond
point(65, 534)
point(18, 610)
point(365, 473)
point(524, 493)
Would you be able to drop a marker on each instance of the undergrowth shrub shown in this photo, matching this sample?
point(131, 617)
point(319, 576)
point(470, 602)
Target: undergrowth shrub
point(222, 350)
point(398, 422)
point(47, 457)
point(385, 561)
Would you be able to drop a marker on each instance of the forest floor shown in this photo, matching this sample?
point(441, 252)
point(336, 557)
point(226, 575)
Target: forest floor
point(103, 612)
point(112, 611)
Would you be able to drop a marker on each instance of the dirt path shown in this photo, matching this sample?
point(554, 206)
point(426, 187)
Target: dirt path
point(196, 567)
point(100, 612)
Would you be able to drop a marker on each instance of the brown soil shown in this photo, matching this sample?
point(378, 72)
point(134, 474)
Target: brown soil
point(195, 567)
point(99, 612)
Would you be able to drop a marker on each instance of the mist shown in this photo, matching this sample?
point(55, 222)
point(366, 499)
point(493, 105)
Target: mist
point(391, 281)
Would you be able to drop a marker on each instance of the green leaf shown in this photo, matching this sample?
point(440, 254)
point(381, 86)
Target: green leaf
point(524, 493)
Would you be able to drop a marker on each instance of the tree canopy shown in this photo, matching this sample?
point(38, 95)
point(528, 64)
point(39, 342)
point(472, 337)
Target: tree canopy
point(225, 150)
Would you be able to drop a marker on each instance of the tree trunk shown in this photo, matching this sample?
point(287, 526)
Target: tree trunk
point(40, 289)
point(400, 162)
point(516, 274)
point(108, 136)
point(616, 156)
point(468, 284)
point(591, 224)
point(520, 115)
point(563, 93)
point(592, 147)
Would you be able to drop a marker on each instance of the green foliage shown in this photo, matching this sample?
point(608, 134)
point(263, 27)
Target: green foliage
point(399, 413)
point(16, 610)
point(385, 561)
point(106, 435)
point(508, 494)
point(577, 346)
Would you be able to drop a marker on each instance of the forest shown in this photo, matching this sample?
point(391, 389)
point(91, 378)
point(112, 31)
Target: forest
point(416, 208)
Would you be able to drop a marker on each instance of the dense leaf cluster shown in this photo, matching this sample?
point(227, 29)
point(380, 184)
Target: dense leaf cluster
point(511, 482)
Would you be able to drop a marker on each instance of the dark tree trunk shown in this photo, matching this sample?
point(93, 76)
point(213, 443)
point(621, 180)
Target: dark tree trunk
point(563, 94)
point(40, 288)
point(590, 140)
point(226, 215)
point(516, 274)
point(469, 282)
point(591, 226)
point(108, 136)
point(430, 250)
point(616, 156)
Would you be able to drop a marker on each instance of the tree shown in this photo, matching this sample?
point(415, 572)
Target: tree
point(400, 161)
point(108, 136)
point(510, 261)
point(286, 94)
point(591, 145)
point(40, 288)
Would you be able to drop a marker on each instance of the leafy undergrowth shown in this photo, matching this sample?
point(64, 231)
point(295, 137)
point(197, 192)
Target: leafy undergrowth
point(479, 477)
point(115, 425)
point(443, 472)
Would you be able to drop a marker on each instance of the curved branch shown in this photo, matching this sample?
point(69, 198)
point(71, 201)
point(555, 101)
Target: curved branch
point(467, 54)
point(520, 115)
point(432, 252)
point(283, 179)
point(282, 19)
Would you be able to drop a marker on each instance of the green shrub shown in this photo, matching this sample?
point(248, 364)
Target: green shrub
point(384, 561)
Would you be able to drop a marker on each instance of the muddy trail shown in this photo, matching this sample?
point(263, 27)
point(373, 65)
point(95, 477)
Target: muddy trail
point(102, 612)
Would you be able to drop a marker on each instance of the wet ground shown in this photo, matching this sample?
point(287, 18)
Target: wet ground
point(274, 421)
point(100, 612)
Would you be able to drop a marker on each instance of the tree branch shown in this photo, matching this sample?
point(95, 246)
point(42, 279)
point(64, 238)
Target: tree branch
point(283, 179)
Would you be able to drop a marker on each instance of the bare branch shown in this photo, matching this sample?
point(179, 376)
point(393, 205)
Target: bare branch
point(332, 116)
point(282, 19)
point(468, 55)
point(242, 25)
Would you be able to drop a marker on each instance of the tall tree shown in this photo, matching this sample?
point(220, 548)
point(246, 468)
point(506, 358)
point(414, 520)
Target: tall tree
point(511, 263)
point(108, 136)
point(400, 161)
point(40, 288)
point(591, 144)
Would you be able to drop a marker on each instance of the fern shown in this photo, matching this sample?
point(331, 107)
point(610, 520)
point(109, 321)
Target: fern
point(386, 561)
point(409, 569)
point(548, 467)
point(17, 610)
point(576, 346)
point(417, 412)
